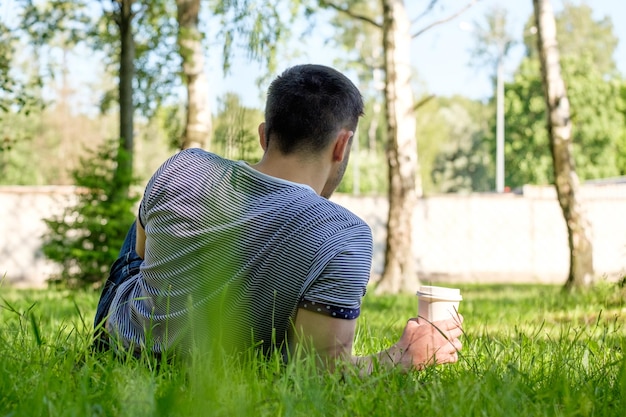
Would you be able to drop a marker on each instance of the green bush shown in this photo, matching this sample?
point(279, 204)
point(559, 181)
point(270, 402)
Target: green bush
point(86, 237)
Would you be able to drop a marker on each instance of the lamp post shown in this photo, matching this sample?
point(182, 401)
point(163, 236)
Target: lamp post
point(500, 119)
point(496, 43)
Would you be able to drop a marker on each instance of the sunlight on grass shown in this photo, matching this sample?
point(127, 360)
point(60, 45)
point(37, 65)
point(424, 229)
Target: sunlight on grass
point(528, 350)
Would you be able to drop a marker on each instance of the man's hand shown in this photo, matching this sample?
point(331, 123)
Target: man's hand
point(424, 343)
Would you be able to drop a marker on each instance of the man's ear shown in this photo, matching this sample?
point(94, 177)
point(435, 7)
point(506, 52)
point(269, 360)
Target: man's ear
point(342, 144)
point(262, 138)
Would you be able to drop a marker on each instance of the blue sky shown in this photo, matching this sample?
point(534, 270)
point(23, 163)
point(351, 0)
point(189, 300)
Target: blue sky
point(446, 48)
point(442, 54)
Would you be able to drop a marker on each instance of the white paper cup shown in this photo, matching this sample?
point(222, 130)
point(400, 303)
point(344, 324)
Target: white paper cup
point(438, 303)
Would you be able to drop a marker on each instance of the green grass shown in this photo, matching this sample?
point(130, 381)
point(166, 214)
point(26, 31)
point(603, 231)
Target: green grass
point(529, 350)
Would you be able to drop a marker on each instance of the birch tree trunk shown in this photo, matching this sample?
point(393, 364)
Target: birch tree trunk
point(400, 273)
point(198, 120)
point(560, 133)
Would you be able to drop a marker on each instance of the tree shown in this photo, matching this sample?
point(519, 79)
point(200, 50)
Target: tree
point(362, 55)
point(560, 134)
point(197, 129)
point(400, 272)
point(114, 31)
point(123, 17)
point(593, 90)
point(18, 95)
point(134, 53)
point(579, 33)
point(405, 187)
point(85, 238)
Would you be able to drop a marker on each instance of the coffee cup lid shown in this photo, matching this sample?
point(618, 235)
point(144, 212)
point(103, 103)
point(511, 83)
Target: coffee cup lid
point(452, 294)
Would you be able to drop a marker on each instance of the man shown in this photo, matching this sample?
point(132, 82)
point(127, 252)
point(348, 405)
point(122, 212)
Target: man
point(237, 255)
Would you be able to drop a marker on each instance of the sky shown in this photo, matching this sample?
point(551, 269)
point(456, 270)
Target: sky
point(446, 50)
point(441, 55)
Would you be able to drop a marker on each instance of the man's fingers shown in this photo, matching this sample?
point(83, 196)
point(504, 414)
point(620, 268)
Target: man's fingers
point(455, 345)
point(455, 333)
point(454, 322)
point(447, 357)
point(448, 329)
point(446, 324)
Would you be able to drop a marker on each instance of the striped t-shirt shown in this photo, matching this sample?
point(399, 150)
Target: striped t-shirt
point(232, 253)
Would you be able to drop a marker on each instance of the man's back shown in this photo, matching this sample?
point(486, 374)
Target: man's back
point(231, 253)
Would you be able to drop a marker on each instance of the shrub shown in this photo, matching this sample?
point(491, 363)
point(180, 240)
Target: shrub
point(86, 237)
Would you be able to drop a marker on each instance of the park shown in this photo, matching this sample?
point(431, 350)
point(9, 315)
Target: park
point(515, 198)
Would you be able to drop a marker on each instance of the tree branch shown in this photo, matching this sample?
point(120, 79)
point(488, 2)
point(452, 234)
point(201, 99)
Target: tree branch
point(444, 20)
point(347, 11)
point(426, 11)
point(423, 101)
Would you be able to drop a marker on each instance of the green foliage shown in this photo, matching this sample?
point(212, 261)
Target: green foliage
point(19, 94)
point(235, 134)
point(462, 162)
point(578, 32)
point(94, 24)
point(366, 173)
point(360, 41)
point(17, 131)
point(529, 350)
point(157, 61)
point(171, 121)
point(621, 143)
point(527, 147)
point(599, 127)
point(86, 237)
point(259, 27)
point(49, 144)
point(586, 48)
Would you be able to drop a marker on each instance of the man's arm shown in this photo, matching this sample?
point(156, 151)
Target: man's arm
point(140, 244)
point(421, 344)
point(329, 337)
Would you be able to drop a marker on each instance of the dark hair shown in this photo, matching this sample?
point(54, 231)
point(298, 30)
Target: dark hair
point(307, 105)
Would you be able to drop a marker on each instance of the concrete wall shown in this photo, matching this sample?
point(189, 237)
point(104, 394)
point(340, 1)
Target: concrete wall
point(473, 238)
point(503, 238)
point(22, 210)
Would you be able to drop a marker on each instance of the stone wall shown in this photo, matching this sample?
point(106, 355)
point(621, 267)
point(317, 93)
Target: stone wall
point(471, 238)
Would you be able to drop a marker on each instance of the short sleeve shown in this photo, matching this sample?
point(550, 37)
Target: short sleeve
point(341, 285)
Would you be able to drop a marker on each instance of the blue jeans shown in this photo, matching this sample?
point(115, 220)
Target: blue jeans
point(125, 267)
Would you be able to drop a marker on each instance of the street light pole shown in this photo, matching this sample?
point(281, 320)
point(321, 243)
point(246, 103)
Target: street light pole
point(500, 122)
point(497, 41)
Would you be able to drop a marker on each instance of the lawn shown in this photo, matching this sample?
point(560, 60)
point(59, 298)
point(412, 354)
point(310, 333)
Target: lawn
point(529, 351)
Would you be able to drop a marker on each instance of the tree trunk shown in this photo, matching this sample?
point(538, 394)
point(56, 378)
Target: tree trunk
point(400, 273)
point(560, 133)
point(198, 124)
point(124, 172)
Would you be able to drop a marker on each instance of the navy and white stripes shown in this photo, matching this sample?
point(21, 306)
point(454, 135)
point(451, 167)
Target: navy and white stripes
point(231, 253)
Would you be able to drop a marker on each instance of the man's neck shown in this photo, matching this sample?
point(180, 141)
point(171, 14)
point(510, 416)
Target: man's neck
point(294, 169)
